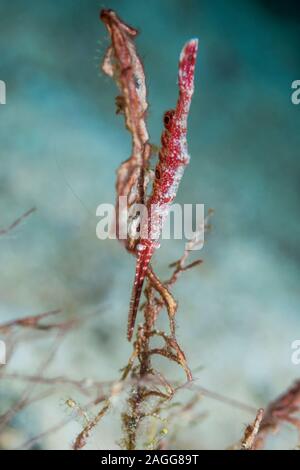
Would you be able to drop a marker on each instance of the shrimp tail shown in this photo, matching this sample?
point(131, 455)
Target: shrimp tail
point(142, 263)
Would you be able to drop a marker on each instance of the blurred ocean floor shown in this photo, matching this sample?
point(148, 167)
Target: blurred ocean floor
point(61, 143)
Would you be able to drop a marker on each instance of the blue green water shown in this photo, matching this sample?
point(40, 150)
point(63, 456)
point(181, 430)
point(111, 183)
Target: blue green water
point(61, 142)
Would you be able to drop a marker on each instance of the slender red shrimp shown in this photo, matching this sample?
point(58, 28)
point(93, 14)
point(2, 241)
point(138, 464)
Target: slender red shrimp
point(173, 158)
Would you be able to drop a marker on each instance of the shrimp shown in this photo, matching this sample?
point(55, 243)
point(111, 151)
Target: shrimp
point(173, 158)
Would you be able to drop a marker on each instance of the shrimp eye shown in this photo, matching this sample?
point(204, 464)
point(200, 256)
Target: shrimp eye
point(168, 118)
point(157, 174)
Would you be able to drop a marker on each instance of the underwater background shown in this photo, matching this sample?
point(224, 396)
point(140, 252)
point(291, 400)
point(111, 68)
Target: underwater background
point(60, 144)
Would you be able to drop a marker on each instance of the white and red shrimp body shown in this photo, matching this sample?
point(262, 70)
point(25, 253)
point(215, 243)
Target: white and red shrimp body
point(173, 158)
